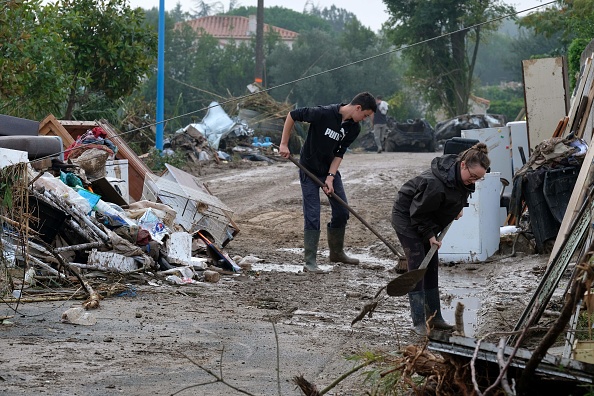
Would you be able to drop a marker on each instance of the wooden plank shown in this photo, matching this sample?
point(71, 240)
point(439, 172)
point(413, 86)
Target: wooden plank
point(587, 116)
point(579, 115)
point(50, 126)
point(576, 199)
point(579, 92)
point(561, 126)
point(546, 96)
point(555, 270)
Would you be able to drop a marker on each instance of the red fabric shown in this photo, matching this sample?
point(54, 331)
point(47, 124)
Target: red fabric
point(143, 237)
point(98, 132)
point(69, 150)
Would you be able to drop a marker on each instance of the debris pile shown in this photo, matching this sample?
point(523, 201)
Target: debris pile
point(66, 221)
point(544, 185)
point(250, 135)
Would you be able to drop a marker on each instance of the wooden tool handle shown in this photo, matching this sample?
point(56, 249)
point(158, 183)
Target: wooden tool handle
point(431, 252)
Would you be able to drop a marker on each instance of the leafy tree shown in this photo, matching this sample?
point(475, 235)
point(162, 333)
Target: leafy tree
point(188, 58)
point(31, 80)
point(337, 17)
point(500, 55)
point(405, 104)
point(506, 99)
point(356, 36)
point(179, 15)
point(491, 66)
point(442, 69)
point(109, 48)
point(581, 19)
point(198, 70)
point(317, 52)
point(550, 21)
point(206, 9)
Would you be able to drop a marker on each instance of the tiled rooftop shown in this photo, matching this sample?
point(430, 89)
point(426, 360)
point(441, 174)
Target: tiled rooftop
point(235, 27)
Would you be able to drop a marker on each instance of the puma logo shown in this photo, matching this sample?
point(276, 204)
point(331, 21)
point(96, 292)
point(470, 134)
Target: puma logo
point(338, 136)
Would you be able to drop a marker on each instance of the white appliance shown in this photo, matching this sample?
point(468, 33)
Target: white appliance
point(498, 142)
point(475, 236)
point(117, 175)
point(519, 138)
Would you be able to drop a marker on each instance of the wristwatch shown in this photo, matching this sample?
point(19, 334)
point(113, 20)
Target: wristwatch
point(331, 174)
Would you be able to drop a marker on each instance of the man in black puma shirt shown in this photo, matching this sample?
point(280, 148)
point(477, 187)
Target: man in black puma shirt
point(332, 129)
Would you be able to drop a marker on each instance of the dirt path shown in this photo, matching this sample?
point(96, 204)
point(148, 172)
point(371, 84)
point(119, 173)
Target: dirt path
point(137, 344)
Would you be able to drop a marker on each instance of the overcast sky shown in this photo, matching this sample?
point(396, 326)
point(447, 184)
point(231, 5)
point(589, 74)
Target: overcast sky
point(371, 13)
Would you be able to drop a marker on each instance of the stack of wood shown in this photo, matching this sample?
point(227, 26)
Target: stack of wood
point(574, 228)
point(265, 104)
point(579, 118)
point(193, 143)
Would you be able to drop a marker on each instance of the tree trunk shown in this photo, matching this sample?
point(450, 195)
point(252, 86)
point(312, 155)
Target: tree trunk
point(70, 107)
point(71, 100)
point(459, 75)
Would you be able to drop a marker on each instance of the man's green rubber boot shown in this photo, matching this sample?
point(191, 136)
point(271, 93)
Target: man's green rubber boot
point(311, 238)
point(336, 245)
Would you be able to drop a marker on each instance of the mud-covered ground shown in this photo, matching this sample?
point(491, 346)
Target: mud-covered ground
point(162, 338)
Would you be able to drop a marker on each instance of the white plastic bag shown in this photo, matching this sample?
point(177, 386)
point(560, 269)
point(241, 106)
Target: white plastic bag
point(150, 222)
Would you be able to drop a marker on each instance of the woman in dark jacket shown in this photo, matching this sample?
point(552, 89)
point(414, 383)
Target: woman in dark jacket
point(425, 205)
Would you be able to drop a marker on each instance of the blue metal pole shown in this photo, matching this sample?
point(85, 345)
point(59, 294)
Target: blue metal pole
point(160, 77)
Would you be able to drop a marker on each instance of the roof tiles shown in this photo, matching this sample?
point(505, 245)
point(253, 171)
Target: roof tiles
point(235, 27)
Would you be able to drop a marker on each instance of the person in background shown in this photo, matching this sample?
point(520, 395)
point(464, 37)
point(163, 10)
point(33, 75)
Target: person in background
point(425, 205)
point(380, 123)
point(332, 129)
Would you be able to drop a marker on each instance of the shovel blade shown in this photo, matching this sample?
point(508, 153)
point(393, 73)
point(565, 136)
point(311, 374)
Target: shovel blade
point(405, 282)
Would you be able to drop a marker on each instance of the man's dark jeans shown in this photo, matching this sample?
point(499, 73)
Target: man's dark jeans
point(311, 203)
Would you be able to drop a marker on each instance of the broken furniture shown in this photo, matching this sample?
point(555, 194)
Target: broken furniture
point(197, 209)
point(70, 130)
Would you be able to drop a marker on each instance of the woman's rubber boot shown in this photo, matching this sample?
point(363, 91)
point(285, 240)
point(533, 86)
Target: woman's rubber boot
point(434, 307)
point(417, 312)
point(311, 238)
point(336, 245)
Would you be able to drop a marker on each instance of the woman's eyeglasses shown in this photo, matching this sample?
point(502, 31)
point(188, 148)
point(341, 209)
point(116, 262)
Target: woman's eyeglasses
point(474, 177)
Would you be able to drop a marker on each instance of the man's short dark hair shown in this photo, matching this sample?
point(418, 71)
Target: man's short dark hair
point(365, 100)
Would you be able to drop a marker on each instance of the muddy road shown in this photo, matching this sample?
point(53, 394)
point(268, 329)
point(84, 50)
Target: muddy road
point(160, 338)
